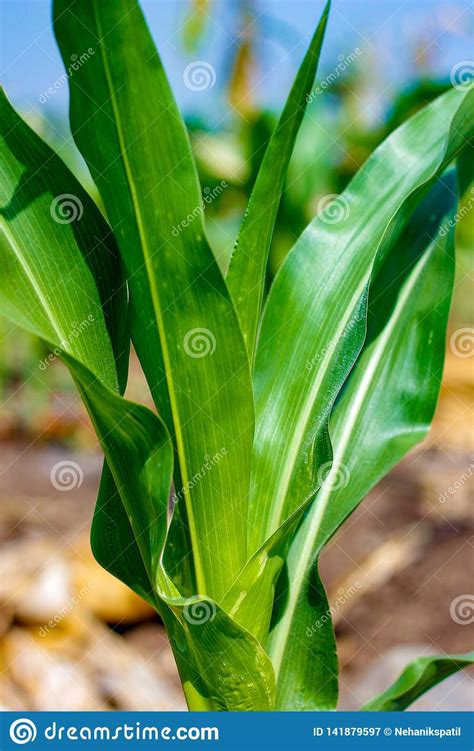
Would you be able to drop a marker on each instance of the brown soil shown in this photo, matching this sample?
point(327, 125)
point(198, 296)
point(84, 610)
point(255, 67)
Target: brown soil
point(408, 605)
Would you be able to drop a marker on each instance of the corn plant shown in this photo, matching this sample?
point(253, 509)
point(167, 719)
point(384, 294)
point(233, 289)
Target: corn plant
point(276, 411)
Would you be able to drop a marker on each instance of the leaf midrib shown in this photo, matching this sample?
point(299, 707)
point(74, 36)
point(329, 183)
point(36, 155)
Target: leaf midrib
point(156, 304)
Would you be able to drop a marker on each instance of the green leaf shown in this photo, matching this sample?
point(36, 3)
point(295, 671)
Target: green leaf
point(385, 409)
point(113, 542)
point(313, 324)
point(246, 275)
point(88, 295)
point(307, 671)
point(184, 327)
point(378, 417)
point(39, 255)
point(60, 276)
point(222, 666)
point(230, 669)
point(417, 678)
point(63, 281)
point(250, 598)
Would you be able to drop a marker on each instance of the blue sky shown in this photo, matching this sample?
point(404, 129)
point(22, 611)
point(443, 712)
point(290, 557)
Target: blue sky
point(389, 32)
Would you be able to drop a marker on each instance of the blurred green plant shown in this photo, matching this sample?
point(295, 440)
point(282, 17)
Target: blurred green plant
point(272, 421)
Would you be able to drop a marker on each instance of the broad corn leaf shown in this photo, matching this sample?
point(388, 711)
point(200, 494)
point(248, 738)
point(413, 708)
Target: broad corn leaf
point(61, 270)
point(38, 254)
point(407, 317)
point(374, 424)
point(183, 323)
point(313, 324)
